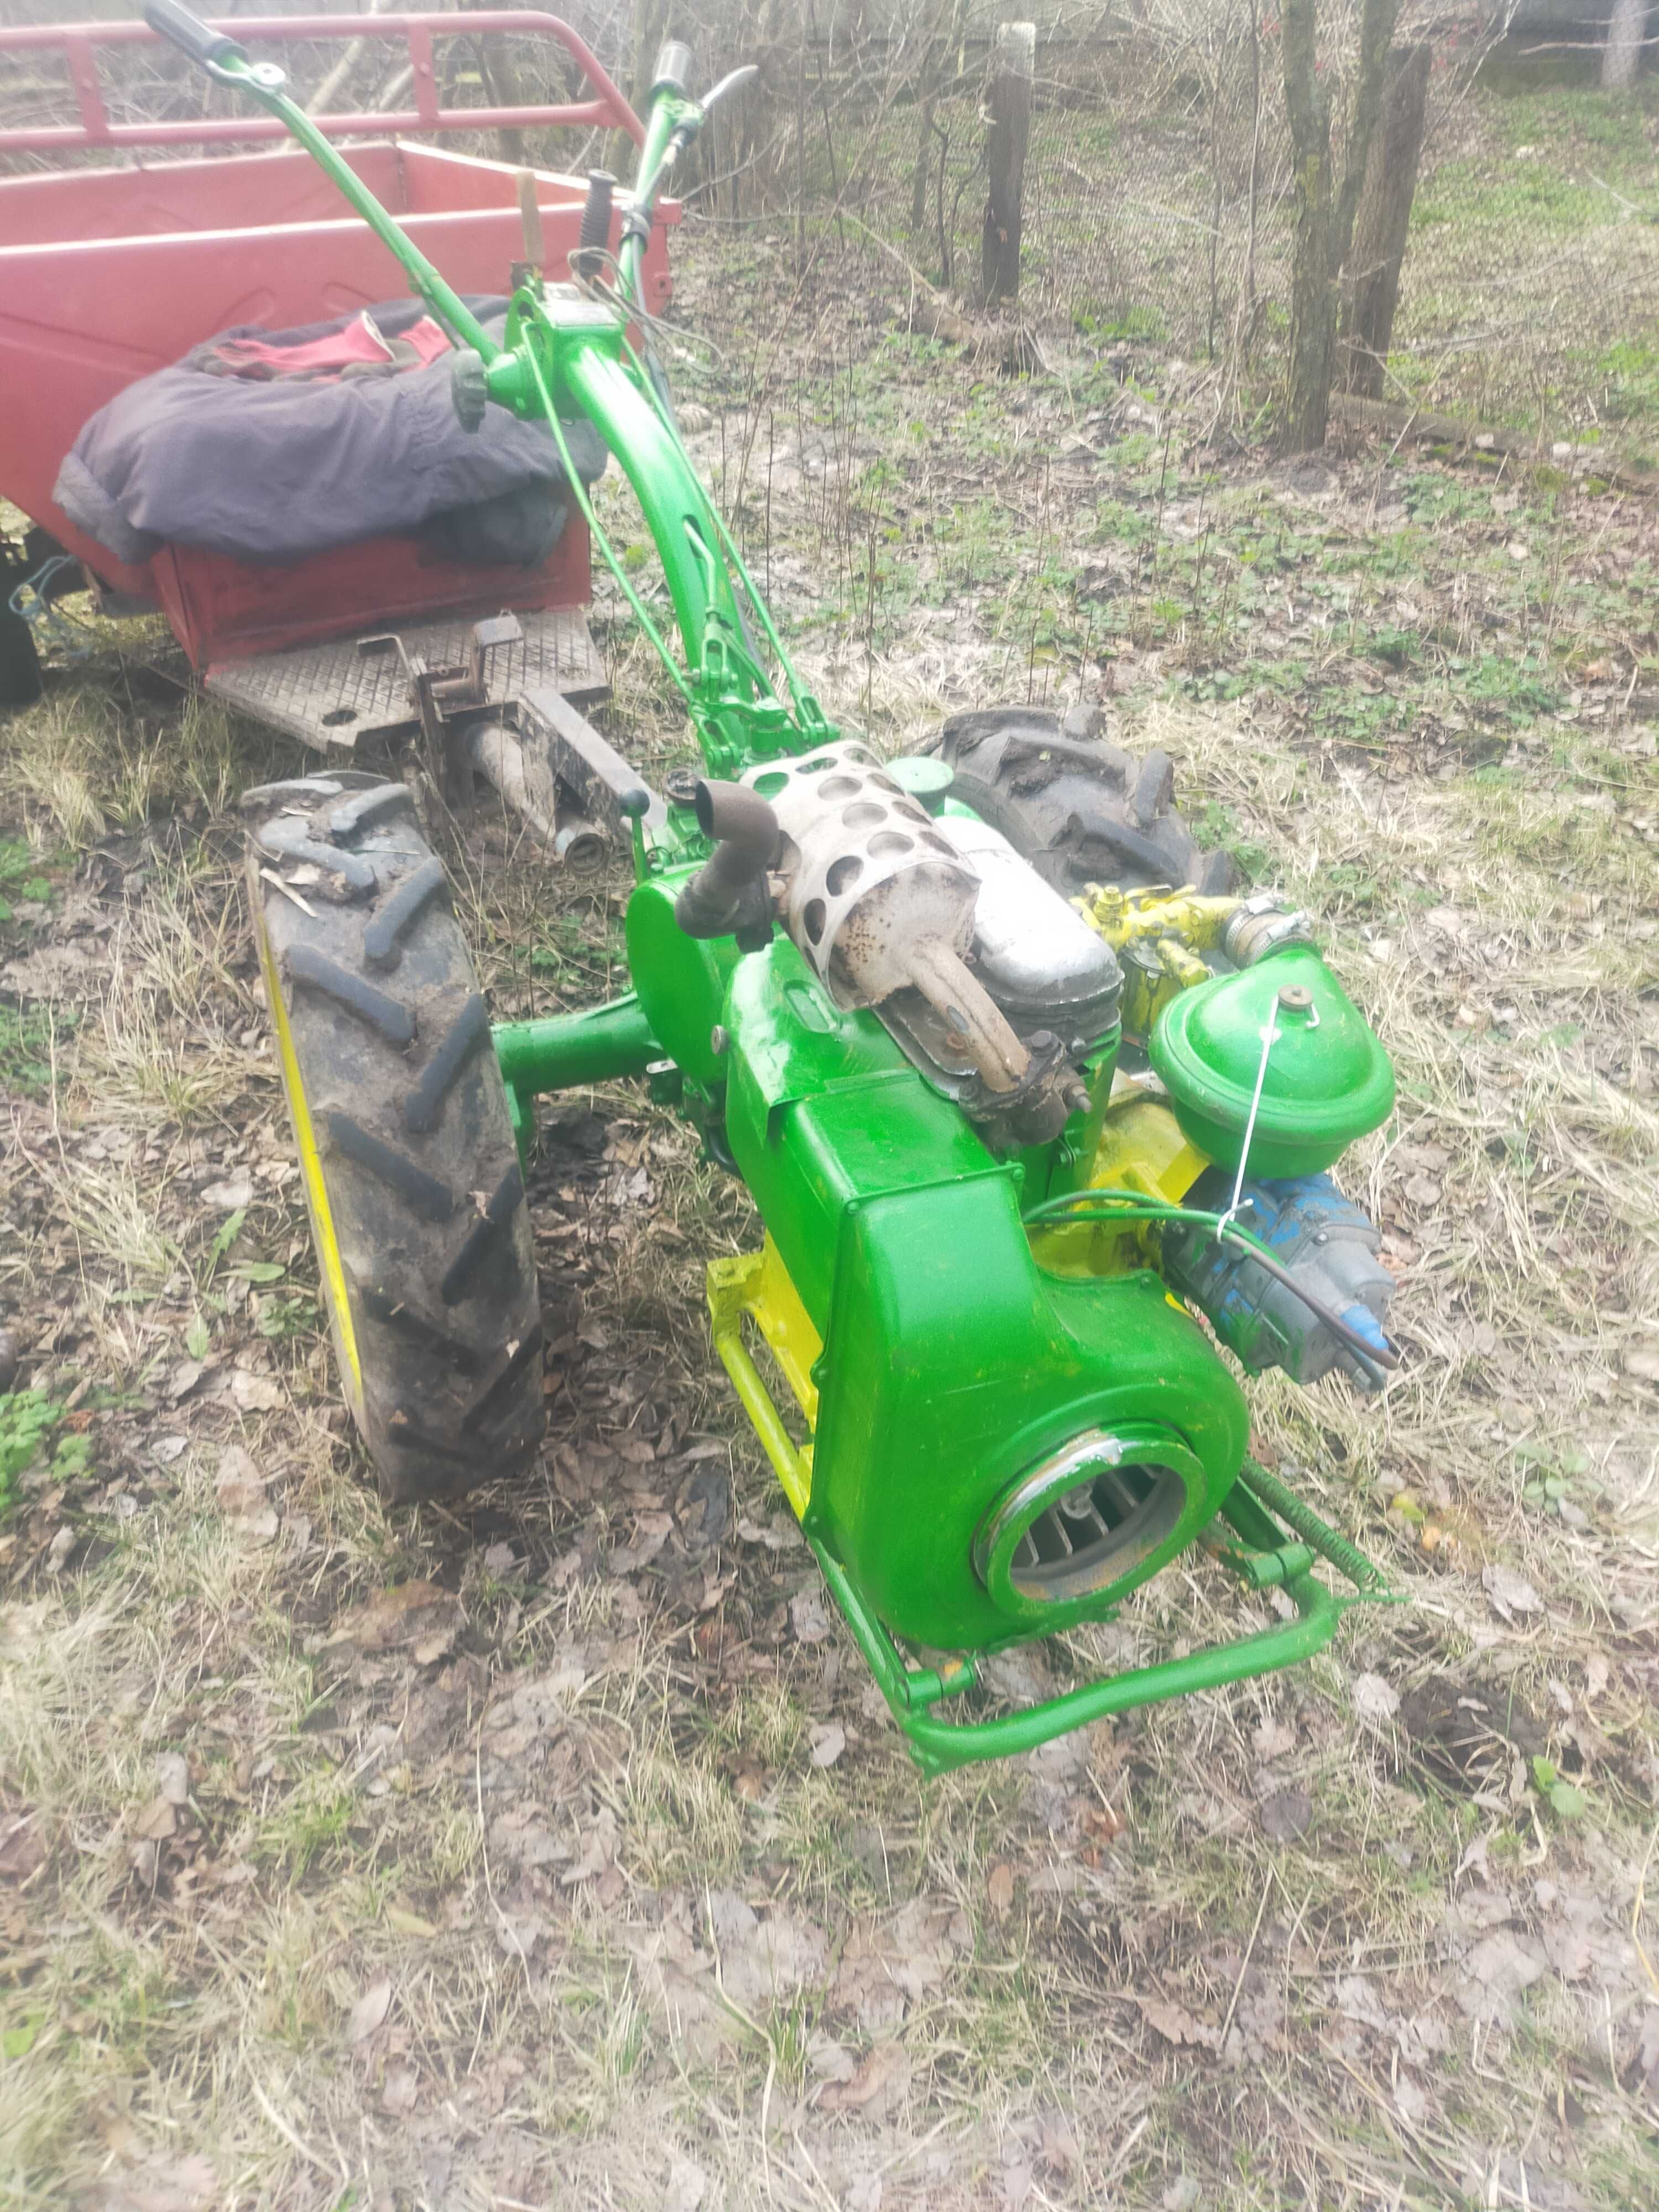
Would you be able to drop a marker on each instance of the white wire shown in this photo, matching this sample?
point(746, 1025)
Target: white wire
point(1270, 1037)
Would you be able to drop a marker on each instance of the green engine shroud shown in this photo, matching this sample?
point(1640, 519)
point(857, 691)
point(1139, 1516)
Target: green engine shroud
point(952, 1363)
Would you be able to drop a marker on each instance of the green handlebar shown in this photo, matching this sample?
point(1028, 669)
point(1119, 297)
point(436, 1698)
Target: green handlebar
point(225, 61)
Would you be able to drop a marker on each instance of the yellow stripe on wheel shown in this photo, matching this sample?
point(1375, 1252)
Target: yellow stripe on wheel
point(311, 1167)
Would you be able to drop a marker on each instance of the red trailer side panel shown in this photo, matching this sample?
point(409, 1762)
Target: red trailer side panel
point(106, 275)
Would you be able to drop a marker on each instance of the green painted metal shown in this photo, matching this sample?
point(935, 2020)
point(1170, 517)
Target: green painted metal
point(951, 1358)
point(1327, 1080)
point(559, 1051)
point(1259, 1557)
point(963, 1391)
point(264, 82)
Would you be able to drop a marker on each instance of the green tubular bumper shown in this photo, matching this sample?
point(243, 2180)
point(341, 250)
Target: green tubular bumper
point(938, 1746)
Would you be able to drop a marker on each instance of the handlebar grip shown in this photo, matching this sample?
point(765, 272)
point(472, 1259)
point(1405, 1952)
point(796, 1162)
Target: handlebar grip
point(469, 388)
point(189, 32)
point(595, 237)
point(673, 69)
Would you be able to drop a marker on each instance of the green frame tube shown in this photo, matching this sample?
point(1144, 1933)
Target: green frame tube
point(561, 1052)
point(242, 75)
point(938, 1746)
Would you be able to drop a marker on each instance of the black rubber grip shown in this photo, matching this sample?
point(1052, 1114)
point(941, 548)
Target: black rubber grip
point(596, 222)
point(188, 33)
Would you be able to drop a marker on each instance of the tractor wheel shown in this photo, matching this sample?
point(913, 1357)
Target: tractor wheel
point(1081, 810)
point(19, 664)
point(411, 1174)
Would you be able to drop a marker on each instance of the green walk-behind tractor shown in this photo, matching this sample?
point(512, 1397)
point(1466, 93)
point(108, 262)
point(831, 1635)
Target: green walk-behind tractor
point(1036, 1115)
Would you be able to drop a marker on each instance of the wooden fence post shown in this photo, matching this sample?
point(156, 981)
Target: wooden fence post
point(1008, 100)
point(1382, 221)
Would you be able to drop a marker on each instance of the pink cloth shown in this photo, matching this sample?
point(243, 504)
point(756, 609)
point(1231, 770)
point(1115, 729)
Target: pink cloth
point(357, 346)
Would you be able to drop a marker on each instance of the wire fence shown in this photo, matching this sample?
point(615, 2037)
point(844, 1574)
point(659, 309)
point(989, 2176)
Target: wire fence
point(1158, 186)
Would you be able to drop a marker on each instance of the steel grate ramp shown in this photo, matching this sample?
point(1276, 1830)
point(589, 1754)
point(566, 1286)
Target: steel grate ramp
point(334, 695)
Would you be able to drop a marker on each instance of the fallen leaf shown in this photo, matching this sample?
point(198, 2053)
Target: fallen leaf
point(828, 1741)
point(22, 1850)
point(1375, 1701)
point(406, 1923)
point(1000, 1890)
point(239, 1486)
point(158, 1820)
point(1641, 1360)
point(1177, 2025)
point(408, 1612)
point(762, 1960)
point(401, 2088)
point(232, 1195)
point(183, 1380)
point(879, 2083)
point(1058, 2148)
point(1500, 1966)
point(255, 1393)
point(829, 2060)
point(370, 2009)
point(651, 1532)
point(1273, 1738)
point(158, 2184)
point(1287, 1814)
point(688, 2184)
point(807, 1617)
point(598, 1851)
point(1509, 1593)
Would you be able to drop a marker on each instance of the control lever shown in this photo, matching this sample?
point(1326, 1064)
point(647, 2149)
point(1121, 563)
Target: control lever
point(207, 47)
point(732, 81)
point(529, 223)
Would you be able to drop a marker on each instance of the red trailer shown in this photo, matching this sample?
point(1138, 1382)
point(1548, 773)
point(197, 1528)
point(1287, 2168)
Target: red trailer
point(109, 272)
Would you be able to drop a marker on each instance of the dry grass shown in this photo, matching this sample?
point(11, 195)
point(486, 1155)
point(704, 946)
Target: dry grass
point(556, 1909)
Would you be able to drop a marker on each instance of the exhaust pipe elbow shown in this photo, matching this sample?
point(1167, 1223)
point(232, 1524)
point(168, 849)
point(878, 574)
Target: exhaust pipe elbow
point(729, 895)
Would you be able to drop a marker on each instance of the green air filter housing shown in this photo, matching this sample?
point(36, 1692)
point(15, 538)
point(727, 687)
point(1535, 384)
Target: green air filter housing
point(1328, 1079)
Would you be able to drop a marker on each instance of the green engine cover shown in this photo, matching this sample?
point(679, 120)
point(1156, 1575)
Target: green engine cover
point(1329, 1080)
point(960, 1385)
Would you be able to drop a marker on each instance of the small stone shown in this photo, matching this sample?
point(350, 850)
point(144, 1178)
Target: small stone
point(8, 1359)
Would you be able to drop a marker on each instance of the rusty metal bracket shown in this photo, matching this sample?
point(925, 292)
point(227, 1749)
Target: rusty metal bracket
point(441, 698)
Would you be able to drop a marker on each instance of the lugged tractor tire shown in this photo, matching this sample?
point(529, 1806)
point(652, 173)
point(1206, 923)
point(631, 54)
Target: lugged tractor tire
point(1080, 809)
point(411, 1175)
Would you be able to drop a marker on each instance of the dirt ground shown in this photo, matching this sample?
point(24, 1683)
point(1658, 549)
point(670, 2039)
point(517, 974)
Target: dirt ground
point(553, 1849)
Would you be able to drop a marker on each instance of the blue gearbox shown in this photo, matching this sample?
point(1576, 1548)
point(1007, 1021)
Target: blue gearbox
point(1323, 1241)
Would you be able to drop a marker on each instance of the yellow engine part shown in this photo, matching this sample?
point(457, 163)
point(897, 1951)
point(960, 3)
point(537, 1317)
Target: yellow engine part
point(1122, 916)
point(1159, 936)
point(1141, 1148)
point(758, 1287)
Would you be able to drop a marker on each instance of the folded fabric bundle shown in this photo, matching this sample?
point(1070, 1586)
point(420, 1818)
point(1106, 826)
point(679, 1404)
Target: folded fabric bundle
point(270, 445)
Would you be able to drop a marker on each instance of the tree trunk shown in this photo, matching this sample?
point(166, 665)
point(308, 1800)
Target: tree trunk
point(1324, 218)
point(1013, 64)
point(1381, 221)
point(1621, 55)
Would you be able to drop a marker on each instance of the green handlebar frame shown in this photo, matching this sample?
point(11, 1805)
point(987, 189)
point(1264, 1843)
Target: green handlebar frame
point(567, 349)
